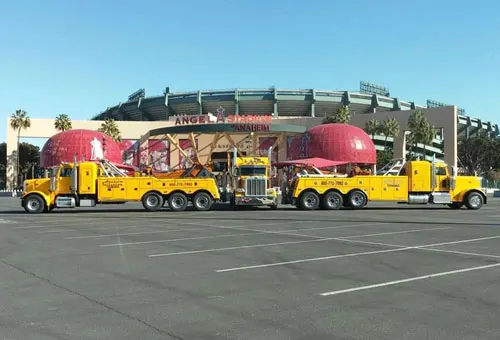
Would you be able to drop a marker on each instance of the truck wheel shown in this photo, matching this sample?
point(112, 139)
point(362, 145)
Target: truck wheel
point(309, 201)
point(356, 199)
point(152, 201)
point(202, 201)
point(332, 201)
point(474, 201)
point(34, 204)
point(178, 201)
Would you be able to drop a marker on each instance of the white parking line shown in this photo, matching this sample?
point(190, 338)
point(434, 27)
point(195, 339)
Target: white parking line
point(392, 283)
point(291, 232)
point(138, 233)
point(310, 260)
point(398, 248)
point(254, 232)
point(460, 252)
point(319, 239)
point(175, 240)
point(207, 227)
point(2, 221)
point(84, 229)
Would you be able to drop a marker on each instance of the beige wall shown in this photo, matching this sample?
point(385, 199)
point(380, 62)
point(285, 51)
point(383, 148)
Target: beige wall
point(441, 117)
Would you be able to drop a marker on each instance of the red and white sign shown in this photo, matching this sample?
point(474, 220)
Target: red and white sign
point(221, 118)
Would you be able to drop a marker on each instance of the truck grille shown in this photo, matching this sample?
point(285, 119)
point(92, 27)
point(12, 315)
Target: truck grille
point(256, 186)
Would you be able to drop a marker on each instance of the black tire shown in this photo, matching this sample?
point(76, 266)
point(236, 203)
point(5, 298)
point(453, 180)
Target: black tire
point(309, 200)
point(202, 201)
point(152, 201)
point(356, 199)
point(177, 201)
point(34, 204)
point(455, 205)
point(332, 201)
point(474, 200)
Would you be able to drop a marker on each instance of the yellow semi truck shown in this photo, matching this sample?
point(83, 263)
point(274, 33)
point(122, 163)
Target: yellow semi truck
point(416, 182)
point(87, 184)
point(251, 182)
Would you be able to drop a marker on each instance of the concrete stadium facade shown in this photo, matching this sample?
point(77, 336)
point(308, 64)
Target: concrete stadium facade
point(310, 103)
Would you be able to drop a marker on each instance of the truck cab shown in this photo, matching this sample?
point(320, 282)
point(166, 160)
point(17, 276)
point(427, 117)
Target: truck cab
point(251, 182)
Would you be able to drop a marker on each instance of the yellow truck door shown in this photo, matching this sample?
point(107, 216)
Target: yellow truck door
point(442, 179)
point(65, 181)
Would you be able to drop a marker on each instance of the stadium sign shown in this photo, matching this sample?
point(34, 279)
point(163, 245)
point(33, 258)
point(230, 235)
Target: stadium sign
point(239, 122)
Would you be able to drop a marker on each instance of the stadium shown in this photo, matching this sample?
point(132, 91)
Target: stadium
point(308, 103)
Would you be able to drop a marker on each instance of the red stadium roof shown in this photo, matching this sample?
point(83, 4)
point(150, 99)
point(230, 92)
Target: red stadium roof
point(87, 144)
point(341, 143)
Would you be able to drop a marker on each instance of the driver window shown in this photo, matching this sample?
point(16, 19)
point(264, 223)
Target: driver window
point(65, 172)
point(440, 171)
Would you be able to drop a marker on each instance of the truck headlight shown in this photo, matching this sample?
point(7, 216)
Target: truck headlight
point(240, 190)
point(270, 191)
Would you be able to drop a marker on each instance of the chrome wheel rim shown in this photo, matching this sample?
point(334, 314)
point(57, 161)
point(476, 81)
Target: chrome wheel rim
point(310, 201)
point(475, 201)
point(152, 201)
point(177, 202)
point(202, 202)
point(333, 201)
point(33, 205)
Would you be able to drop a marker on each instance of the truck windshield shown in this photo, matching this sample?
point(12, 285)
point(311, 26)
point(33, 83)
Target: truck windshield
point(252, 171)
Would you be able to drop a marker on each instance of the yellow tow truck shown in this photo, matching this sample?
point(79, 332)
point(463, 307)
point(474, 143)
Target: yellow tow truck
point(414, 182)
point(87, 184)
point(251, 182)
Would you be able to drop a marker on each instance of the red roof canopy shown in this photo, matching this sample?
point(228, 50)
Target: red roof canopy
point(315, 161)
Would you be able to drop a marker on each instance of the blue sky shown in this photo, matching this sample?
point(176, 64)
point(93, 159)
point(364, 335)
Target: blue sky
point(79, 57)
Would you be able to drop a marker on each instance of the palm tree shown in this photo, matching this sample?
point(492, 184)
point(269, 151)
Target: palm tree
point(420, 130)
point(63, 122)
point(110, 128)
point(342, 116)
point(428, 135)
point(19, 120)
point(390, 128)
point(372, 127)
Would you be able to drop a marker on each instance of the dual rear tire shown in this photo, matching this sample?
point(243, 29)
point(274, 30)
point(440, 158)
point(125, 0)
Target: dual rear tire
point(178, 201)
point(332, 200)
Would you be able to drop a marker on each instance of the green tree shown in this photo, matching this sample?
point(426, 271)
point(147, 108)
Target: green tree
point(428, 135)
point(479, 154)
point(29, 160)
point(384, 157)
point(110, 128)
point(372, 127)
point(63, 122)
point(342, 116)
point(420, 131)
point(390, 128)
point(19, 121)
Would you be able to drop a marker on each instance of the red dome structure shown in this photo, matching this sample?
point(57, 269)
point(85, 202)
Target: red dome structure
point(341, 142)
point(87, 144)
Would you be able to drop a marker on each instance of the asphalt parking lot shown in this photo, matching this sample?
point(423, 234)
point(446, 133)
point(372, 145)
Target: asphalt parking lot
point(118, 272)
